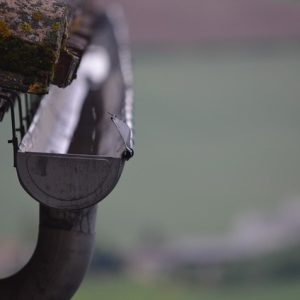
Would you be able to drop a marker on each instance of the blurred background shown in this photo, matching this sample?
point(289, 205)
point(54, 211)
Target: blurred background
point(210, 206)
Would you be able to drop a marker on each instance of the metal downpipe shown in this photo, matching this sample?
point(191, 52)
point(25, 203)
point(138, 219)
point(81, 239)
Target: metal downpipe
point(59, 263)
point(66, 237)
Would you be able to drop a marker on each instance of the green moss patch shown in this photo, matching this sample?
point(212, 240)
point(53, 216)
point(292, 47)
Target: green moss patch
point(25, 58)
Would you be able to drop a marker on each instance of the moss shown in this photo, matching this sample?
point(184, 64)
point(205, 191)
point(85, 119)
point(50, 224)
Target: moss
point(5, 32)
point(31, 44)
point(26, 58)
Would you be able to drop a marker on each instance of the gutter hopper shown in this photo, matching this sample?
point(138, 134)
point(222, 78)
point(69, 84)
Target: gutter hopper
point(74, 151)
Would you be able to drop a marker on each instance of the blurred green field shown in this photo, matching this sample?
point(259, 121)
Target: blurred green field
point(218, 136)
point(116, 289)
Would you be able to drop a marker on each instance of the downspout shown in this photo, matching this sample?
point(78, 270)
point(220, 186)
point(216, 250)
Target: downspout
point(66, 237)
point(59, 263)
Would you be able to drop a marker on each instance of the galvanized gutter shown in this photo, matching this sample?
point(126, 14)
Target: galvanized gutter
point(86, 127)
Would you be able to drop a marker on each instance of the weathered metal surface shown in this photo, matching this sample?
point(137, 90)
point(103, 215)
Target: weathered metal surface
point(68, 181)
point(118, 34)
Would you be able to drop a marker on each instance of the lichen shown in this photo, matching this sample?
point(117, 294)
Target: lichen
point(37, 16)
point(5, 32)
point(32, 37)
point(56, 26)
point(25, 27)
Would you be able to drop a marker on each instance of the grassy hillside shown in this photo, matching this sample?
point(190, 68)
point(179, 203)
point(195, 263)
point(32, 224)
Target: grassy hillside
point(123, 289)
point(217, 136)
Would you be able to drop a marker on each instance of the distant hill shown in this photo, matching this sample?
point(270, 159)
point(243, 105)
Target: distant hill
point(198, 21)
